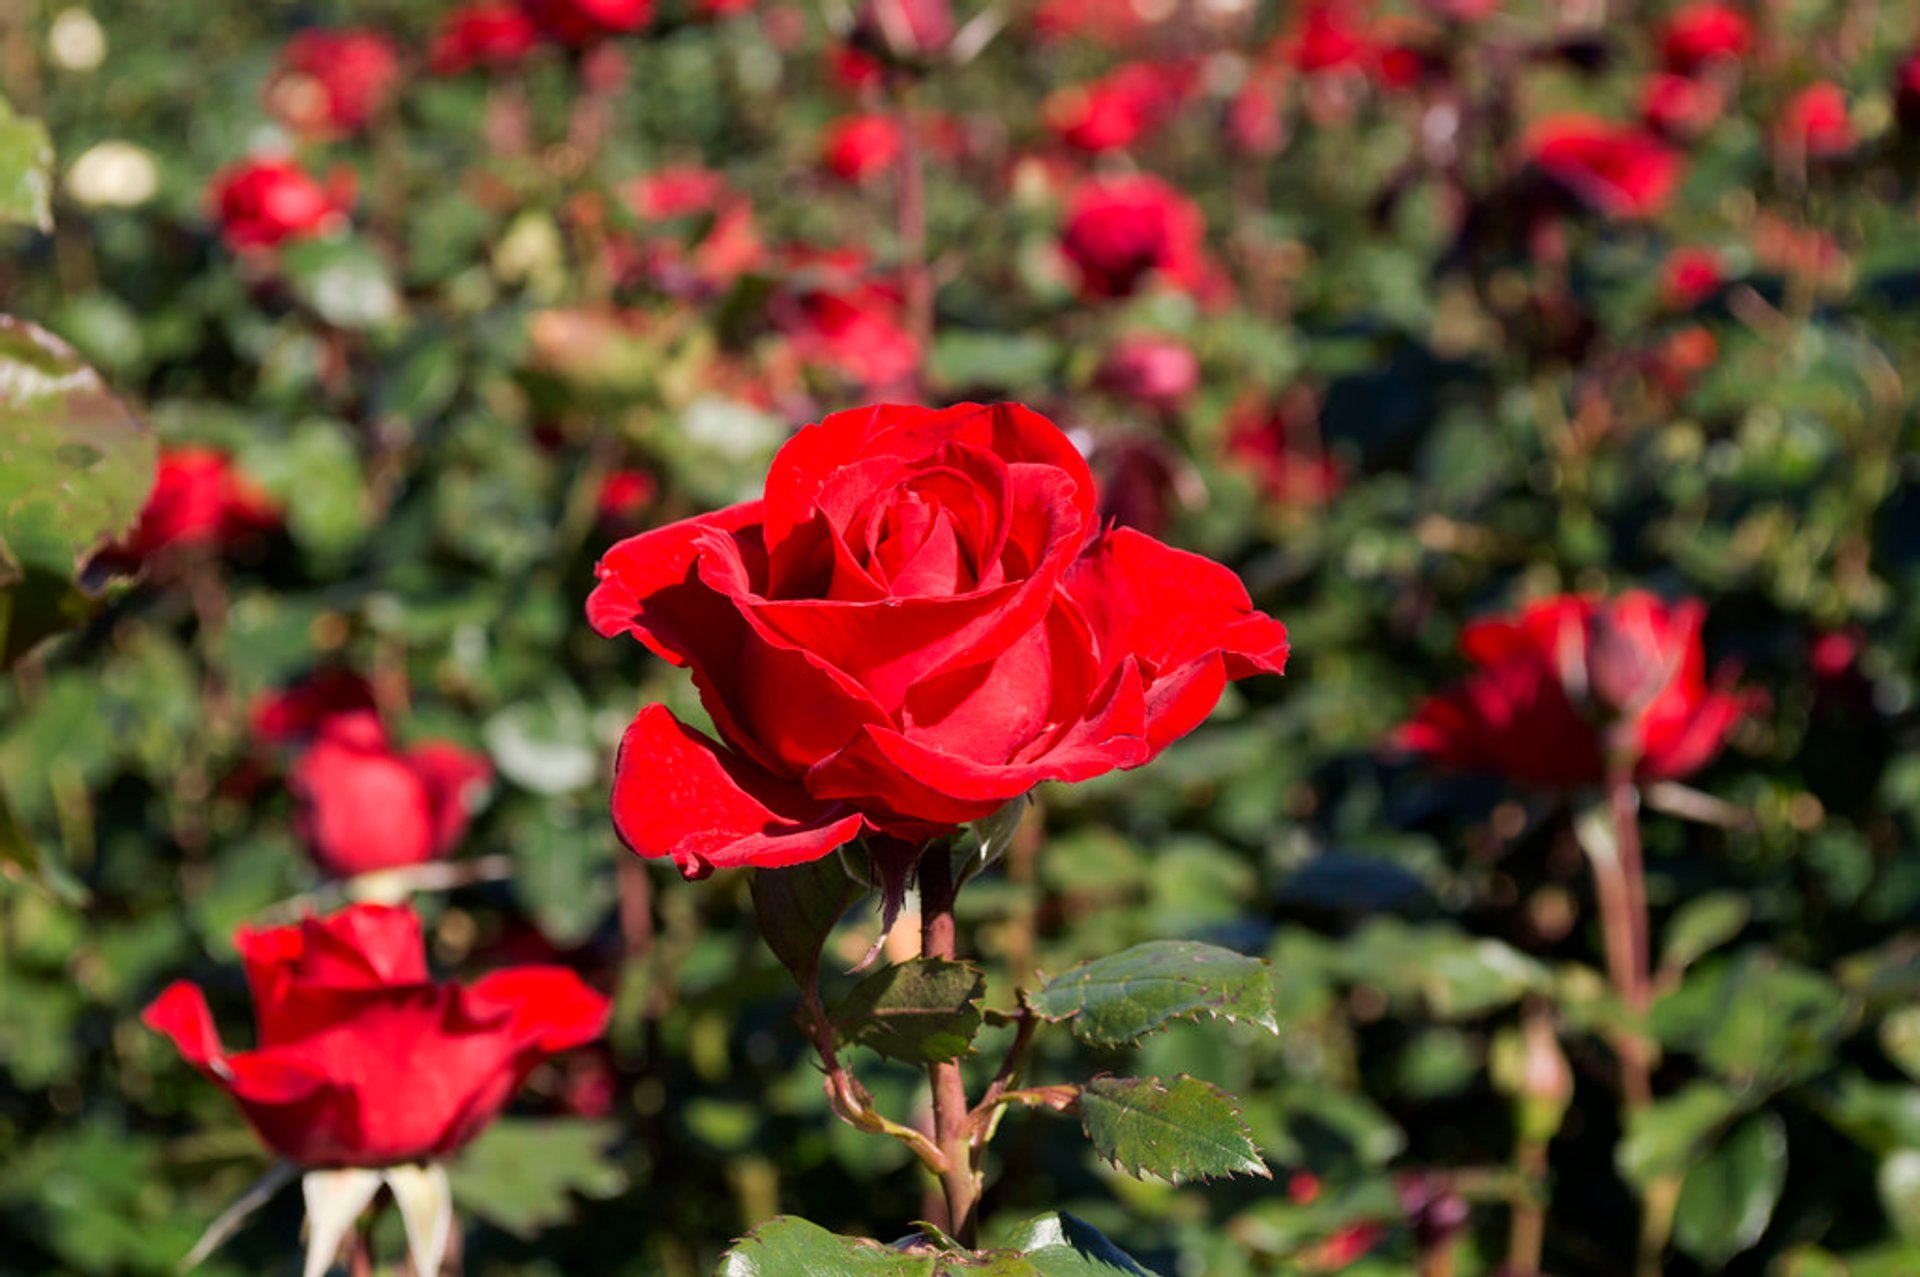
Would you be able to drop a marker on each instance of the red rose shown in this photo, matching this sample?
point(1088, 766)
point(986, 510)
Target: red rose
point(1703, 32)
point(330, 83)
point(1680, 107)
point(858, 148)
point(1615, 169)
point(1156, 371)
point(582, 22)
point(1280, 442)
point(624, 494)
point(1573, 678)
point(294, 714)
point(1255, 123)
point(857, 330)
point(1118, 109)
point(1118, 231)
point(1815, 124)
point(366, 806)
point(199, 501)
point(1690, 276)
point(1332, 36)
point(493, 34)
point(261, 203)
point(920, 621)
point(362, 1059)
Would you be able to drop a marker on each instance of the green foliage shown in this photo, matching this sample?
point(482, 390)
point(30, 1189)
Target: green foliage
point(1050, 1246)
point(26, 177)
point(523, 1176)
point(1128, 995)
point(1178, 1130)
point(920, 1012)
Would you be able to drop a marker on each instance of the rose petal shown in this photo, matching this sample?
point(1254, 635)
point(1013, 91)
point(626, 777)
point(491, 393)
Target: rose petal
point(675, 793)
point(640, 567)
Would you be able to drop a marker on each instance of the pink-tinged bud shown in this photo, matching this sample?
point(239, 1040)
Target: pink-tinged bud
point(1157, 372)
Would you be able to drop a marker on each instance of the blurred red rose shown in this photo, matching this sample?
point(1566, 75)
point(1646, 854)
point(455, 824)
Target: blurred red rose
point(362, 1059)
point(577, 23)
point(365, 806)
point(1680, 108)
point(1573, 678)
point(262, 203)
point(1906, 93)
point(200, 500)
point(858, 148)
point(729, 247)
point(1690, 276)
point(1698, 34)
point(293, 714)
point(1281, 442)
point(1255, 122)
point(1615, 169)
point(1814, 122)
point(856, 329)
point(1158, 372)
point(1331, 36)
point(921, 621)
point(493, 34)
point(331, 83)
point(1118, 109)
point(910, 29)
point(624, 496)
point(1119, 231)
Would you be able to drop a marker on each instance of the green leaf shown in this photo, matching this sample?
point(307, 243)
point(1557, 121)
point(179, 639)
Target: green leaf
point(345, 281)
point(1900, 1039)
point(797, 908)
point(790, 1247)
point(1728, 1198)
point(75, 464)
point(1129, 994)
point(919, 1012)
point(1898, 1183)
point(26, 171)
point(1058, 1245)
point(1186, 1129)
point(1702, 925)
point(521, 1175)
point(1668, 1137)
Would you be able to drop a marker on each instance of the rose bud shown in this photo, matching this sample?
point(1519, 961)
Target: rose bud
point(1680, 108)
point(1118, 109)
point(1256, 124)
point(1696, 35)
point(1332, 36)
point(1528, 711)
point(1689, 277)
point(858, 148)
point(331, 83)
point(365, 806)
point(578, 23)
point(1815, 124)
point(920, 621)
point(1157, 372)
point(1120, 231)
point(624, 497)
point(200, 502)
point(491, 35)
point(1614, 169)
point(1434, 1209)
point(263, 203)
point(363, 1060)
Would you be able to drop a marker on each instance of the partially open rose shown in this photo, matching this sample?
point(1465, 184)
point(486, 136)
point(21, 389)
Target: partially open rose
point(920, 621)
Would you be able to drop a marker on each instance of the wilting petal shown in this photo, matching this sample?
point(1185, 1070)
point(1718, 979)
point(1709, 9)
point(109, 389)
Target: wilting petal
point(675, 793)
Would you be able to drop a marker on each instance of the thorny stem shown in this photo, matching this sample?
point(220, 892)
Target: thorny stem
point(958, 1179)
point(849, 1100)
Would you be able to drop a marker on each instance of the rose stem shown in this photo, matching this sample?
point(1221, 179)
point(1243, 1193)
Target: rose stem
point(949, 1089)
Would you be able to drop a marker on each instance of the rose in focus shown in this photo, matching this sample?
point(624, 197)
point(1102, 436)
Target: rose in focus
point(362, 1059)
point(919, 621)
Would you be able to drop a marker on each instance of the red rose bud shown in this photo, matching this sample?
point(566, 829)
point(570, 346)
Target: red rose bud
point(1614, 169)
point(578, 23)
point(1256, 124)
point(331, 83)
point(624, 497)
point(1699, 34)
point(294, 714)
point(1689, 277)
point(921, 620)
point(363, 1060)
point(1535, 709)
point(263, 203)
point(1680, 359)
point(1331, 36)
point(1436, 1212)
point(1157, 372)
point(1815, 124)
point(857, 331)
point(491, 36)
point(1680, 108)
point(858, 148)
point(200, 501)
point(1120, 231)
point(1118, 109)
point(365, 806)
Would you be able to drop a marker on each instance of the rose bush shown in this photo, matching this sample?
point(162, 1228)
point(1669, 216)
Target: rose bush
point(918, 622)
point(362, 1059)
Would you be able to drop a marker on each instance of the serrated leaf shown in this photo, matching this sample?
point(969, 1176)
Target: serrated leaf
point(797, 908)
point(1728, 1198)
point(1127, 995)
point(919, 1012)
point(521, 1176)
point(1058, 1245)
point(1185, 1129)
point(26, 171)
point(790, 1247)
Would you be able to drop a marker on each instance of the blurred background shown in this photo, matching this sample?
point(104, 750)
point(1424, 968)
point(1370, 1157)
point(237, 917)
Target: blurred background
point(1411, 310)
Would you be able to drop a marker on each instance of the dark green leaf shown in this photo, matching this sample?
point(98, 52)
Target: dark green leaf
point(522, 1174)
point(1125, 996)
point(1058, 1245)
point(1185, 1129)
point(797, 908)
point(1702, 925)
point(1727, 1199)
point(920, 1012)
point(1669, 1136)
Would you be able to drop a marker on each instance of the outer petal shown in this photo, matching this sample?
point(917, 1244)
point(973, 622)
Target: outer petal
point(552, 1008)
point(181, 1016)
point(455, 779)
point(675, 793)
point(638, 568)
